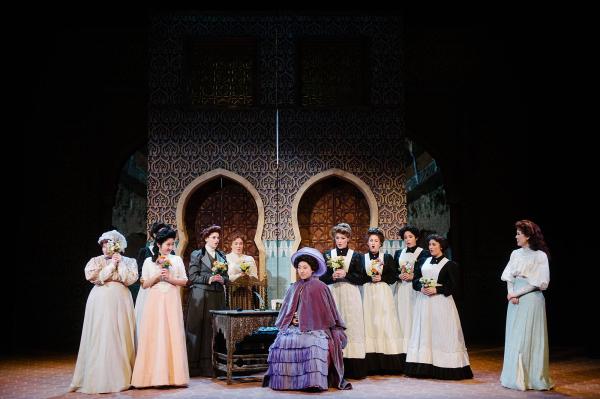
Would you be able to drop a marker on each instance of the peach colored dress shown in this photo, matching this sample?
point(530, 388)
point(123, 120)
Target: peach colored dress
point(161, 354)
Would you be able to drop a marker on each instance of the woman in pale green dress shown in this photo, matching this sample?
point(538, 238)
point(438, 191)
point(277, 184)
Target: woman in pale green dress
point(526, 343)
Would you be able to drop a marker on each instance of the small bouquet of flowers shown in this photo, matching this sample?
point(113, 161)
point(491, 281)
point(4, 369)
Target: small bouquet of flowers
point(244, 266)
point(219, 268)
point(335, 263)
point(163, 262)
point(375, 267)
point(113, 247)
point(428, 282)
point(406, 267)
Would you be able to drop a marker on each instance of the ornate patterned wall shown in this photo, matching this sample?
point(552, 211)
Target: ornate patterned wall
point(185, 142)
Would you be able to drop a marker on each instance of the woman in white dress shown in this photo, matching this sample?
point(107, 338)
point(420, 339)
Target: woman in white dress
point(235, 259)
point(383, 344)
point(527, 274)
point(437, 347)
point(404, 294)
point(344, 280)
point(106, 351)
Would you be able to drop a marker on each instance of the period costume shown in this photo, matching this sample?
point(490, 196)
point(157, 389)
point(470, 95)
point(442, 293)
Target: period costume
point(348, 299)
point(404, 294)
point(526, 342)
point(382, 327)
point(203, 298)
point(437, 347)
point(308, 355)
point(161, 355)
point(107, 350)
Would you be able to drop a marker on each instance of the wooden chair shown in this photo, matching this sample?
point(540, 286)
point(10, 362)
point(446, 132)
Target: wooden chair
point(244, 291)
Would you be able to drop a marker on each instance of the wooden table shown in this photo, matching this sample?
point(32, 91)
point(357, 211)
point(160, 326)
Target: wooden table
point(235, 326)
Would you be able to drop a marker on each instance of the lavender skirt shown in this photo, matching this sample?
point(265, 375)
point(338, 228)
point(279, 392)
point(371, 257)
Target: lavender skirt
point(298, 360)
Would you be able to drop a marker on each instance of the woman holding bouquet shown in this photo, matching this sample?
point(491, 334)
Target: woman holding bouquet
point(238, 263)
point(527, 274)
point(405, 261)
point(208, 275)
point(307, 352)
point(107, 350)
point(161, 356)
point(344, 277)
point(437, 347)
point(383, 344)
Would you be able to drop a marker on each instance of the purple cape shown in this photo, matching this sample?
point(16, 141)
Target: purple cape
point(317, 311)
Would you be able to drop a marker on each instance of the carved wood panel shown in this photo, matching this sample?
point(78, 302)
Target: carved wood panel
point(328, 203)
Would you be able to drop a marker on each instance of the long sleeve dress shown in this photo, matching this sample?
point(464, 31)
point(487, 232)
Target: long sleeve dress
point(382, 328)
point(107, 350)
point(437, 346)
point(161, 355)
point(348, 299)
point(526, 363)
point(404, 294)
point(233, 266)
point(203, 298)
point(309, 355)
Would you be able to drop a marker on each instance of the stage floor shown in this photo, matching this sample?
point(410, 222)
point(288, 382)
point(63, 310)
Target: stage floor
point(574, 374)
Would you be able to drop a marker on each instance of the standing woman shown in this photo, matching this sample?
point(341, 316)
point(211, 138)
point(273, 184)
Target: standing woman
point(405, 295)
point(382, 328)
point(143, 254)
point(161, 356)
point(344, 278)
point(207, 294)
point(526, 343)
point(437, 347)
point(107, 351)
point(236, 258)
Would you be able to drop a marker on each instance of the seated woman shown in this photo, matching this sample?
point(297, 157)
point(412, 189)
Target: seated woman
point(307, 353)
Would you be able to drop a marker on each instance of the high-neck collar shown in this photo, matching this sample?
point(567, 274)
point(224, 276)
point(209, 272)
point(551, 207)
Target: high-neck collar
point(210, 251)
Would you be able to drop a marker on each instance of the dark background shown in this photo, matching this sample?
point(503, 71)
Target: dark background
point(488, 94)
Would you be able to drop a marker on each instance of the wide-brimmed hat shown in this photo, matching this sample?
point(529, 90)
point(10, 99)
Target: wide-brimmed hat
point(314, 253)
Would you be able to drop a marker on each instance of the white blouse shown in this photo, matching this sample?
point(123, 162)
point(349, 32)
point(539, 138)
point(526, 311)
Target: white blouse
point(151, 269)
point(529, 264)
point(100, 268)
point(235, 271)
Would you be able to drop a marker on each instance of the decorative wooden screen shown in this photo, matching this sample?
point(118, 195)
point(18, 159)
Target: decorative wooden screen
point(327, 203)
point(222, 72)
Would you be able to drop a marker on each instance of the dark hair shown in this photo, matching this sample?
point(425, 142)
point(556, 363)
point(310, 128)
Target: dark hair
point(376, 231)
point(534, 233)
point(209, 230)
point(415, 231)
point(156, 227)
point(162, 236)
point(436, 237)
point(314, 265)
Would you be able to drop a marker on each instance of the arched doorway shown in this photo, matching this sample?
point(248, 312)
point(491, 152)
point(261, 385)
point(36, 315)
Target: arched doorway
point(330, 201)
point(227, 203)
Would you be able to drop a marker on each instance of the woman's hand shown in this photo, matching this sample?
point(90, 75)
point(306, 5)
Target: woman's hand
point(376, 278)
point(217, 278)
point(514, 300)
point(116, 258)
point(165, 275)
point(406, 276)
point(339, 273)
point(429, 291)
